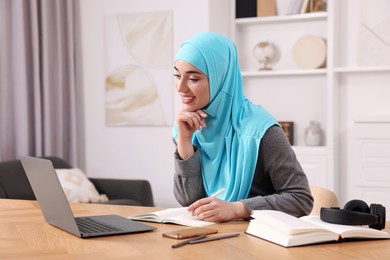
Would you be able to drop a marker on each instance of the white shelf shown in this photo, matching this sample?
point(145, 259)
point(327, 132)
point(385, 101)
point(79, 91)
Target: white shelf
point(310, 150)
point(372, 120)
point(362, 69)
point(282, 18)
point(274, 73)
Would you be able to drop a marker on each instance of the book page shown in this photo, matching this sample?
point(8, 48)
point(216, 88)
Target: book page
point(179, 216)
point(187, 219)
point(284, 222)
point(347, 231)
point(171, 213)
point(264, 231)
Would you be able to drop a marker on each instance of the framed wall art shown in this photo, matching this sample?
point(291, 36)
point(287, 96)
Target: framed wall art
point(138, 69)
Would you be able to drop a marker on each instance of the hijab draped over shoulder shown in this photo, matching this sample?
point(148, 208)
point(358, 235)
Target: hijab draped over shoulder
point(229, 144)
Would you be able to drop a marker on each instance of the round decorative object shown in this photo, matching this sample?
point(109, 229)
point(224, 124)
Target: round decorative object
point(309, 52)
point(264, 52)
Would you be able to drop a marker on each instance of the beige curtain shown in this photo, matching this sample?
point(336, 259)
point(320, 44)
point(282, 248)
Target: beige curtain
point(37, 79)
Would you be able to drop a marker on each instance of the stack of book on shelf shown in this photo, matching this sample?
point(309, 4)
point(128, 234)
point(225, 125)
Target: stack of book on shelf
point(288, 231)
point(305, 6)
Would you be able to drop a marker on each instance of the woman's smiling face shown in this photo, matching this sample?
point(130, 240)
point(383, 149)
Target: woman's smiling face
point(192, 85)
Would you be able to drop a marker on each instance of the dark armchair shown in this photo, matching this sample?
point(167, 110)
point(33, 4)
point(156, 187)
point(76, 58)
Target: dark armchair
point(15, 185)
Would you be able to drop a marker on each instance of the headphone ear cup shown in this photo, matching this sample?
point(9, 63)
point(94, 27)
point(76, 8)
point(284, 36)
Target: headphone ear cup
point(356, 212)
point(357, 205)
point(380, 212)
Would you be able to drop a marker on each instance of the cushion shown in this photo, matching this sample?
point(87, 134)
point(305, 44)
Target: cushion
point(77, 187)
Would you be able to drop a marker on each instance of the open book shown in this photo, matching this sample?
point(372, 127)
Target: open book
point(179, 216)
point(287, 230)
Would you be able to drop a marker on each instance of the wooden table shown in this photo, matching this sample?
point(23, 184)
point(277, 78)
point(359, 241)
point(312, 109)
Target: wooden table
point(24, 234)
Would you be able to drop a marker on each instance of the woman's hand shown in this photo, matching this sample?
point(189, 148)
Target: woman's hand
point(187, 123)
point(216, 210)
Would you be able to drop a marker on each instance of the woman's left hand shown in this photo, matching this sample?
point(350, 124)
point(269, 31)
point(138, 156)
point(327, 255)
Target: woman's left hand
point(216, 210)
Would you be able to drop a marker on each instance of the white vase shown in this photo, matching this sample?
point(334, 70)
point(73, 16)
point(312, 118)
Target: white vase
point(313, 134)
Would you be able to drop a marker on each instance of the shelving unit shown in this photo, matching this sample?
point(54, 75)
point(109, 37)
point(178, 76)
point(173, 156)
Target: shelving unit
point(283, 73)
point(350, 97)
point(363, 92)
point(289, 92)
point(248, 32)
point(283, 19)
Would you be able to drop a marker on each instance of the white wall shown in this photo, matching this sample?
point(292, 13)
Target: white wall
point(364, 111)
point(132, 152)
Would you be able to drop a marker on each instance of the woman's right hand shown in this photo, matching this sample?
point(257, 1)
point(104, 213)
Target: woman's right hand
point(187, 123)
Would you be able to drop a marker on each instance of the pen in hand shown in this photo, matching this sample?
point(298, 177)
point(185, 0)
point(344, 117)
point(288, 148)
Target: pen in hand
point(217, 193)
point(212, 196)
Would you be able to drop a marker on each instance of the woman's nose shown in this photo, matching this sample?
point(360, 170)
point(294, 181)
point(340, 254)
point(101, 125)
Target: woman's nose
point(181, 86)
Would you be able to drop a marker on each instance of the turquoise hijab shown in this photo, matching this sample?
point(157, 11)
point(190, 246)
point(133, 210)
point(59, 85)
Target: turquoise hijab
point(229, 144)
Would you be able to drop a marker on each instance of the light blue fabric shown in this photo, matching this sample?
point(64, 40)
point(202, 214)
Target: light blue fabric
point(229, 143)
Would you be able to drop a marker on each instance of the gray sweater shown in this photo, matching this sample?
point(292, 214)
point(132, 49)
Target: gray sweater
point(279, 182)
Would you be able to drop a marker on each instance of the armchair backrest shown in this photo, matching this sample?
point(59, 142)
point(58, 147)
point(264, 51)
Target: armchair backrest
point(58, 163)
point(323, 198)
point(13, 180)
point(15, 185)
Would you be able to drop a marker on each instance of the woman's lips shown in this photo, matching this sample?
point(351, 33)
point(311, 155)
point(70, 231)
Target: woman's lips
point(187, 100)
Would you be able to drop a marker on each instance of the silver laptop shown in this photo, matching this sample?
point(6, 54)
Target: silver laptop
point(57, 212)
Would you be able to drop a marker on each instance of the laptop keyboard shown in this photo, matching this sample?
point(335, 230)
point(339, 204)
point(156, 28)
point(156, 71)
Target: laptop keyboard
point(89, 225)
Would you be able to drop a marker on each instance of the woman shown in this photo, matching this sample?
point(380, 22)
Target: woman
point(226, 142)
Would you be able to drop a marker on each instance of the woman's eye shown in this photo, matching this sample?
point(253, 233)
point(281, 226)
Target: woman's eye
point(193, 79)
point(176, 76)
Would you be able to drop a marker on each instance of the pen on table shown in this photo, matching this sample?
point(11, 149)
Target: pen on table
point(188, 241)
point(213, 238)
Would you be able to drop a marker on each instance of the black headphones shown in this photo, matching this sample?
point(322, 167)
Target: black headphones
point(356, 212)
